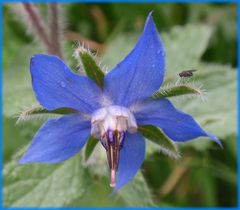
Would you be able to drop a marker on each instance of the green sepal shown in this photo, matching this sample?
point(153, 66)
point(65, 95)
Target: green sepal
point(154, 134)
point(177, 90)
point(91, 144)
point(91, 68)
point(39, 112)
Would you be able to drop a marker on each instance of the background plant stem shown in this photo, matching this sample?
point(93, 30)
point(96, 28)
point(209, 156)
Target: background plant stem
point(55, 30)
point(38, 25)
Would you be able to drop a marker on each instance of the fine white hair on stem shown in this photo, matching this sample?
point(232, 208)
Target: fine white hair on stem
point(166, 151)
point(80, 47)
point(196, 86)
point(175, 155)
point(26, 114)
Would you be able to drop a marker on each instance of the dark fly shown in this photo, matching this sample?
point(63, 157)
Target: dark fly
point(187, 73)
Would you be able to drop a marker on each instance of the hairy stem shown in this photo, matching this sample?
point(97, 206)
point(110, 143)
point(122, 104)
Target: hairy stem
point(177, 90)
point(55, 31)
point(38, 24)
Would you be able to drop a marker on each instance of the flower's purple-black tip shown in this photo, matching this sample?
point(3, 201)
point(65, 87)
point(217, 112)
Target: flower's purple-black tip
point(214, 138)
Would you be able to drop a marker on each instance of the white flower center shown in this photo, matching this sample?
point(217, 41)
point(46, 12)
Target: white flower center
point(114, 118)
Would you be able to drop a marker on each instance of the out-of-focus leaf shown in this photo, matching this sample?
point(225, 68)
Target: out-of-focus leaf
point(17, 88)
point(98, 195)
point(232, 142)
point(184, 47)
point(154, 134)
point(207, 186)
point(14, 136)
point(224, 39)
point(137, 193)
point(223, 172)
point(91, 144)
point(118, 48)
point(43, 185)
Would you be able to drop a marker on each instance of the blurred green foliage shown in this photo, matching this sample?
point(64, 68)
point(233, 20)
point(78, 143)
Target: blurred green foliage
point(201, 36)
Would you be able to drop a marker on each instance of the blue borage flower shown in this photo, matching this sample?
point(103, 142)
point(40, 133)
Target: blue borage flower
point(111, 114)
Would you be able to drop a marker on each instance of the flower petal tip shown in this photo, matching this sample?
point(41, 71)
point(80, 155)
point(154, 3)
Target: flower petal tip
point(214, 138)
point(149, 21)
point(150, 14)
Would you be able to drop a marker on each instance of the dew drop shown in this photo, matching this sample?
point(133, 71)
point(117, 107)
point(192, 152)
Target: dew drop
point(63, 84)
point(159, 51)
point(153, 65)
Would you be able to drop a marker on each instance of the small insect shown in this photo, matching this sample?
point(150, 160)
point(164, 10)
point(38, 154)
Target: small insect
point(187, 73)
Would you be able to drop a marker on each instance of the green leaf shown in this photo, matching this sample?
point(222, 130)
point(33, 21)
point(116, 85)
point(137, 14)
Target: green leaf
point(91, 144)
point(14, 136)
point(154, 134)
point(43, 185)
point(184, 47)
point(207, 186)
point(177, 90)
point(90, 66)
point(40, 112)
point(224, 172)
point(136, 193)
point(118, 48)
point(17, 87)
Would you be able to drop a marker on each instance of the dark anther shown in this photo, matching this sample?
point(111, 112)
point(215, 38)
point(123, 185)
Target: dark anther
point(113, 142)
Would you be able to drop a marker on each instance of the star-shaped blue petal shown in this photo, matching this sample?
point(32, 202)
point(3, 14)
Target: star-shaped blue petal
point(141, 73)
point(130, 84)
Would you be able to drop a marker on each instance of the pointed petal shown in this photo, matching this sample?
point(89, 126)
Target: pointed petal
point(176, 124)
point(58, 140)
point(55, 86)
point(131, 158)
point(141, 73)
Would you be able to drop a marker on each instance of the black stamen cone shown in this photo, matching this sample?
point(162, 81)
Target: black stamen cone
point(113, 142)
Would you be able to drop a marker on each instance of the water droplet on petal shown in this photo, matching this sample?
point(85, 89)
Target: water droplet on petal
point(153, 65)
point(63, 84)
